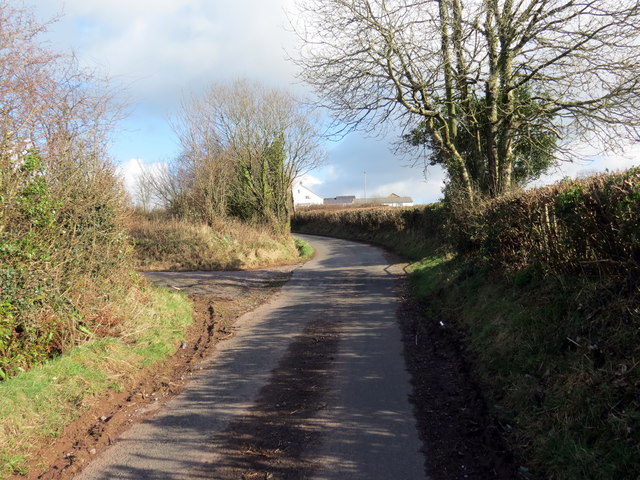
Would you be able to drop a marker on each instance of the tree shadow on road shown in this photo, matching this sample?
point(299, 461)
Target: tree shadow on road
point(271, 440)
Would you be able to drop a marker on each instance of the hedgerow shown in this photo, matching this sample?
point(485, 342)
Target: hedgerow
point(411, 231)
point(589, 227)
point(63, 253)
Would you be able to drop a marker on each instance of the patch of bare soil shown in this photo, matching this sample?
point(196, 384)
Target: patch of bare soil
point(108, 416)
point(461, 440)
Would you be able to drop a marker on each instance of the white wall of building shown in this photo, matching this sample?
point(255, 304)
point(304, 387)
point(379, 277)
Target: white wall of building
point(303, 196)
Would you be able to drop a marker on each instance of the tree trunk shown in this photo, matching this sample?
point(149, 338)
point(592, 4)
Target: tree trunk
point(506, 129)
point(491, 95)
point(448, 70)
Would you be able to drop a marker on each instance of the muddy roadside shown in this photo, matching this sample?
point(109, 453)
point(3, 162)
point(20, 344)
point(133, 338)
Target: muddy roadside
point(218, 301)
point(462, 440)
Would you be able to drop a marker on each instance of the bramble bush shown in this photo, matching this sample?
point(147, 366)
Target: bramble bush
point(63, 255)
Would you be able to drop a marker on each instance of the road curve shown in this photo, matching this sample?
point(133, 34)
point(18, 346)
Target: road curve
point(330, 341)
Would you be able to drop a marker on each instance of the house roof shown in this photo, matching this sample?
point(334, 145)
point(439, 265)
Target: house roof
point(340, 199)
point(352, 200)
point(383, 200)
point(300, 184)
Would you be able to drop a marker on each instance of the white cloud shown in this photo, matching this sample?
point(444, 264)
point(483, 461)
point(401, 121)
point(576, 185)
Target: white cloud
point(420, 190)
point(166, 46)
point(592, 164)
point(310, 180)
point(159, 49)
point(131, 172)
point(386, 172)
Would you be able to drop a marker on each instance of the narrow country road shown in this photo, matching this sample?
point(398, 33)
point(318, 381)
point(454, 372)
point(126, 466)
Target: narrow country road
point(311, 386)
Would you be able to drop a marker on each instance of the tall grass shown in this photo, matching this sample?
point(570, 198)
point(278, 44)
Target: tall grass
point(305, 250)
point(172, 244)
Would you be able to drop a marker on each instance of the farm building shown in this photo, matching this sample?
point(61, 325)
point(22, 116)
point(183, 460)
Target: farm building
point(392, 200)
point(303, 196)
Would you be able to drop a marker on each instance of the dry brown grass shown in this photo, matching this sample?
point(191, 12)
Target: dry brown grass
point(170, 244)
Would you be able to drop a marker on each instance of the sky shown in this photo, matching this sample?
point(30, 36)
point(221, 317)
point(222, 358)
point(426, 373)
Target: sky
point(159, 50)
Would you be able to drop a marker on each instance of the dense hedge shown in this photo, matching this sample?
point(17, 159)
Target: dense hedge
point(420, 228)
point(64, 255)
point(589, 226)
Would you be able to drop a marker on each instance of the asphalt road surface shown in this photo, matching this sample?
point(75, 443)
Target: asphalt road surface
point(311, 386)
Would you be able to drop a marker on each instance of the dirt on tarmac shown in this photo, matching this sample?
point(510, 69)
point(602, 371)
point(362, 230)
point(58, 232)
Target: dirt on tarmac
point(216, 307)
point(460, 440)
point(272, 437)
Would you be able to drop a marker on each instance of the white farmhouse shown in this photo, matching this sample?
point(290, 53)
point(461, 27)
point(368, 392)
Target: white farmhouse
point(303, 196)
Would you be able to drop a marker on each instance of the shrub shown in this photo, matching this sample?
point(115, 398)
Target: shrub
point(64, 255)
point(589, 226)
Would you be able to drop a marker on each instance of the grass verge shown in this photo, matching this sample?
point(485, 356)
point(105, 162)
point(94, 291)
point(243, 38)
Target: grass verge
point(305, 251)
point(37, 404)
point(179, 245)
point(557, 359)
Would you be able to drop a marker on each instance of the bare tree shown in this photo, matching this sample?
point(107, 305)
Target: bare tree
point(246, 144)
point(482, 79)
point(163, 186)
point(47, 102)
point(143, 194)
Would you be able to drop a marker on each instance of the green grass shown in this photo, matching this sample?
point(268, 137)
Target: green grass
point(305, 251)
point(39, 403)
point(426, 275)
point(557, 363)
